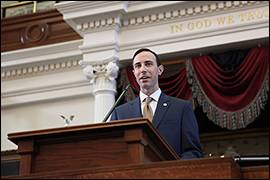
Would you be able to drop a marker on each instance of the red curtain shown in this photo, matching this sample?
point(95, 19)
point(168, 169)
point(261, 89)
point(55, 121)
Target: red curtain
point(176, 85)
point(234, 90)
point(231, 100)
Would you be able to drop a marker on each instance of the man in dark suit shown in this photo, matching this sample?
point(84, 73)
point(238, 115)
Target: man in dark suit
point(174, 118)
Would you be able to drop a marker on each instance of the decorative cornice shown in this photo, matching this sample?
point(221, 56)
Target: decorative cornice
point(36, 60)
point(162, 16)
point(38, 69)
point(99, 24)
point(86, 15)
point(41, 53)
point(191, 11)
point(70, 9)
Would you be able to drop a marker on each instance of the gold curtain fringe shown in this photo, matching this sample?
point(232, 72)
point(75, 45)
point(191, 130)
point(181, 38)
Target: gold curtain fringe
point(231, 120)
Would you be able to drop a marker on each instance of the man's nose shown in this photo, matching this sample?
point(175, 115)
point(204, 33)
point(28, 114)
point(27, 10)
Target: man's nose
point(143, 68)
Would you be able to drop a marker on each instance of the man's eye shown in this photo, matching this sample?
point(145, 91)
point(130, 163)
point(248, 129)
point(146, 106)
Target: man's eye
point(149, 64)
point(137, 65)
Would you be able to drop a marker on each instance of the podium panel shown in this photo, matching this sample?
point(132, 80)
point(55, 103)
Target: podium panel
point(207, 168)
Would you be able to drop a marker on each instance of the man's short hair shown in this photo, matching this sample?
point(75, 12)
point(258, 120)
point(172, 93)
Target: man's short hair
point(145, 49)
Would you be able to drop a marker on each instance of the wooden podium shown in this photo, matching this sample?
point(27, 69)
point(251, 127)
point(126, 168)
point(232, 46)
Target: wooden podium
point(122, 142)
point(126, 149)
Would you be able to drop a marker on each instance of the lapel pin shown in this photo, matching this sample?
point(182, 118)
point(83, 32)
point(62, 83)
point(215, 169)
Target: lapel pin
point(165, 104)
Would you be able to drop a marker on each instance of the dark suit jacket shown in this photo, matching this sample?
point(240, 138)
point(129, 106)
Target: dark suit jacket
point(175, 120)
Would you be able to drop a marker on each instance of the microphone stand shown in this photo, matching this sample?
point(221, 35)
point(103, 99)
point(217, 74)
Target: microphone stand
point(135, 91)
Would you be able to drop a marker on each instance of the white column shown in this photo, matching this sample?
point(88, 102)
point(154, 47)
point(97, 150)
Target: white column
point(104, 97)
point(103, 76)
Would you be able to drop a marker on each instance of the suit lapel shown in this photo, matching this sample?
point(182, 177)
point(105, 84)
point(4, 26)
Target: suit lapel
point(162, 107)
point(135, 108)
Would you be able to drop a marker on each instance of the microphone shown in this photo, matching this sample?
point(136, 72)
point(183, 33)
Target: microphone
point(135, 91)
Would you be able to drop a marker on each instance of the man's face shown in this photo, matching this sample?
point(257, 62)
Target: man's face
point(146, 72)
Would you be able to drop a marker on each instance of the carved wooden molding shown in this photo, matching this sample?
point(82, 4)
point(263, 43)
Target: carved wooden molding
point(31, 30)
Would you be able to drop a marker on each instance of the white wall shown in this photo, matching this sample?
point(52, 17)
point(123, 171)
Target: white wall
point(43, 115)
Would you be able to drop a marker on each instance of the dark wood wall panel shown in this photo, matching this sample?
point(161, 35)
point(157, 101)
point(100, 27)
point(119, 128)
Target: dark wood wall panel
point(11, 37)
point(35, 29)
point(57, 29)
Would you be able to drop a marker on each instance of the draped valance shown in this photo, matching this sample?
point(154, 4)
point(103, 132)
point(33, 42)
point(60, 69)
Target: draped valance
point(232, 92)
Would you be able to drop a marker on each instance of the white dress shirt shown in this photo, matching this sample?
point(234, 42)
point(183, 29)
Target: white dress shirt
point(153, 103)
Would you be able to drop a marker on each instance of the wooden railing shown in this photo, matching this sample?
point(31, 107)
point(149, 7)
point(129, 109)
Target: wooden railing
point(32, 30)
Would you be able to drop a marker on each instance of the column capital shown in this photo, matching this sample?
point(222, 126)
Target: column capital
point(103, 68)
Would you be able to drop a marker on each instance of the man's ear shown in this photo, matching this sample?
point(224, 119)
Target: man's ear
point(160, 69)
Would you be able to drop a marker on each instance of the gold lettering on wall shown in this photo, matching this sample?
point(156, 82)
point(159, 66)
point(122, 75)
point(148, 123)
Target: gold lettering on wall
point(176, 28)
point(250, 15)
point(266, 12)
point(241, 16)
point(190, 26)
point(259, 14)
point(220, 21)
point(207, 23)
point(230, 19)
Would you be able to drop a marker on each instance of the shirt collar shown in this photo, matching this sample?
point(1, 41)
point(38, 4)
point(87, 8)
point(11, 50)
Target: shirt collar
point(155, 95)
